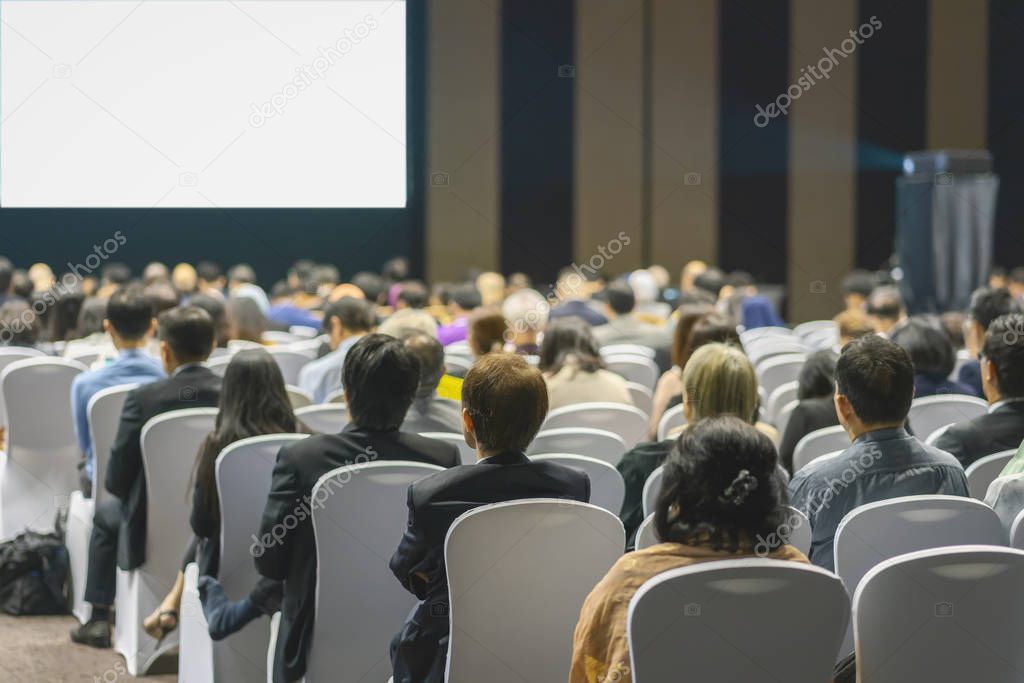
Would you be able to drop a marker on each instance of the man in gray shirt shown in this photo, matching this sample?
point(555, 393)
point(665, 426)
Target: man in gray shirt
point(429, 412)
point(874, 389)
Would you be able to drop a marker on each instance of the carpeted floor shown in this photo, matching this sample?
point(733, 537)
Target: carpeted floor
point(37, 650)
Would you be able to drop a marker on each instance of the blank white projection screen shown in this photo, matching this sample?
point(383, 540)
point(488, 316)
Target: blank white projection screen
point(202, 103)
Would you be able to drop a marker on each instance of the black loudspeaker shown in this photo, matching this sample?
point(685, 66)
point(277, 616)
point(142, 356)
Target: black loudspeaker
point(945, 218)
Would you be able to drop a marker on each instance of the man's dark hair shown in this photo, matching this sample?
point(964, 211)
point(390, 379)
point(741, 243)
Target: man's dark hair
point(619, 296)
point(711, 281)
point(466, 296)
point(217, 312)
point(326, 274)
point(373, 286)
point(1004, 348)
point(507, 400)
point(859, 282)
point(988, 304)
point(395, 269)
point(355, 315)
point(19, 326)
point(877, 377)
point(302, 269)
point(929, 348)
point(91, 316)
point(413, 293)
point(1017, 275)
point(430, 355)
point(740, 279)
point(885, 302)
point(116, 273)
point(817, 376)
point(208, 271)
point(6, 274)
point(188, 330)
point(380, 377)
point(21, 284)
point(242, 272)
point(130, 312)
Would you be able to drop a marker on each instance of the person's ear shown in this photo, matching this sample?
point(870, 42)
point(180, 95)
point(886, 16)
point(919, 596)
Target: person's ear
point(336, 329)
point(107, 327)
point(468, 432)
point(989, 372)
point(844, 409)
point(152, 327)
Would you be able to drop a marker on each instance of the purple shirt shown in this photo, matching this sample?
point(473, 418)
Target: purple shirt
point(456, 332)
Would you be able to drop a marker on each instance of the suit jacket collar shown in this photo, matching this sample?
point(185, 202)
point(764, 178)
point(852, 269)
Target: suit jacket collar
point(190, 369)
point(505, 458)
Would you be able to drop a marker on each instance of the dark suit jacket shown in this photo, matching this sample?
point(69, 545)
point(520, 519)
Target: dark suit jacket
point(809, 415)
point(292, 559)
point(193, 387)
point(930, 385)
point(419, 650)
point(579, 309)
point(970, 375)
point(986, 434)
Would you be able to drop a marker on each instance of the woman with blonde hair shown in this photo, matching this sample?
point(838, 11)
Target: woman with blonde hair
point(718, 380)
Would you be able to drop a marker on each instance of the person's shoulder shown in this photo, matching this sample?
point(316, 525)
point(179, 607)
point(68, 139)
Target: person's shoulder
point(936, 455)
point(435, 449)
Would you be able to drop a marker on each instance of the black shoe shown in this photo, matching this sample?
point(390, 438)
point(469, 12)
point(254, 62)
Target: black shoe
point(93, 634)
point(266, 596)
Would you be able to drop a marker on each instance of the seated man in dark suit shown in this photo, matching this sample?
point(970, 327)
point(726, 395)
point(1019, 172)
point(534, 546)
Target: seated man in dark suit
point(504, 402)
point(874, 388)
point(119, 522)
point(986, 305)
point(1002, 376)
point(380, 376)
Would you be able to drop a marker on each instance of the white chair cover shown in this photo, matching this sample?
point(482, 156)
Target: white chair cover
point(326, 418)
point(553, 552)
point(596, 443)
point(818, 443)
point(780, 397)
point(638, 369)
point(673, 418)
point(607, 489)
point(931, 412)
point(942, 615)
point(738, 620)
point(779, 370)
point(643, 398)
point(290, 362)
point(359, 515)
point(983, 471)
point(467, 454)
point(300, 398)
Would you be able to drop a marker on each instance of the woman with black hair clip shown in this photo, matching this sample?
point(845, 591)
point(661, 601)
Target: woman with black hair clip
point(720, 500)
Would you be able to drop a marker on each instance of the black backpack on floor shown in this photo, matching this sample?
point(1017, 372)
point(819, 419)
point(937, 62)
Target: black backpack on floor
point(34, 571)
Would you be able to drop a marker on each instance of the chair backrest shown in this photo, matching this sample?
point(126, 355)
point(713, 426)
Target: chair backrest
point(280, 337)
point(673, 418)
point(934, 436)
point(457, 365)
point(627, 350)
point(290, 362)
point(931, 412)
point(1017, 532)
point(760, 352)
point(738, 620)
point(86, 355)
point(984, 471)
point(652, 488)
point(554, 552)
point(467, 454)
point(813, 326)
point(818, 443)
point(300, 398)
point(948, 614)
point(796, 531)
point(359, 514)
point(596, 443)
point(326, 418)
point(781, 396)
point(634, 368)
point(643, 398)
point(40, 471)
point(104, 414)
point(779, 370)
point(170, 442)
point(629, 422)
point(219, 364)
point(336, 397)
point(783, 415)
point(607, 488)
point(876, 532)
point(12, 354)
point(750, 336)
point(243, 473)
point(646, 534)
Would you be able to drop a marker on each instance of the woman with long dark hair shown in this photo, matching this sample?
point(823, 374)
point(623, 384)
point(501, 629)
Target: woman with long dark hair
point(720, 499)
point(573, 368)
point(253, 402)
